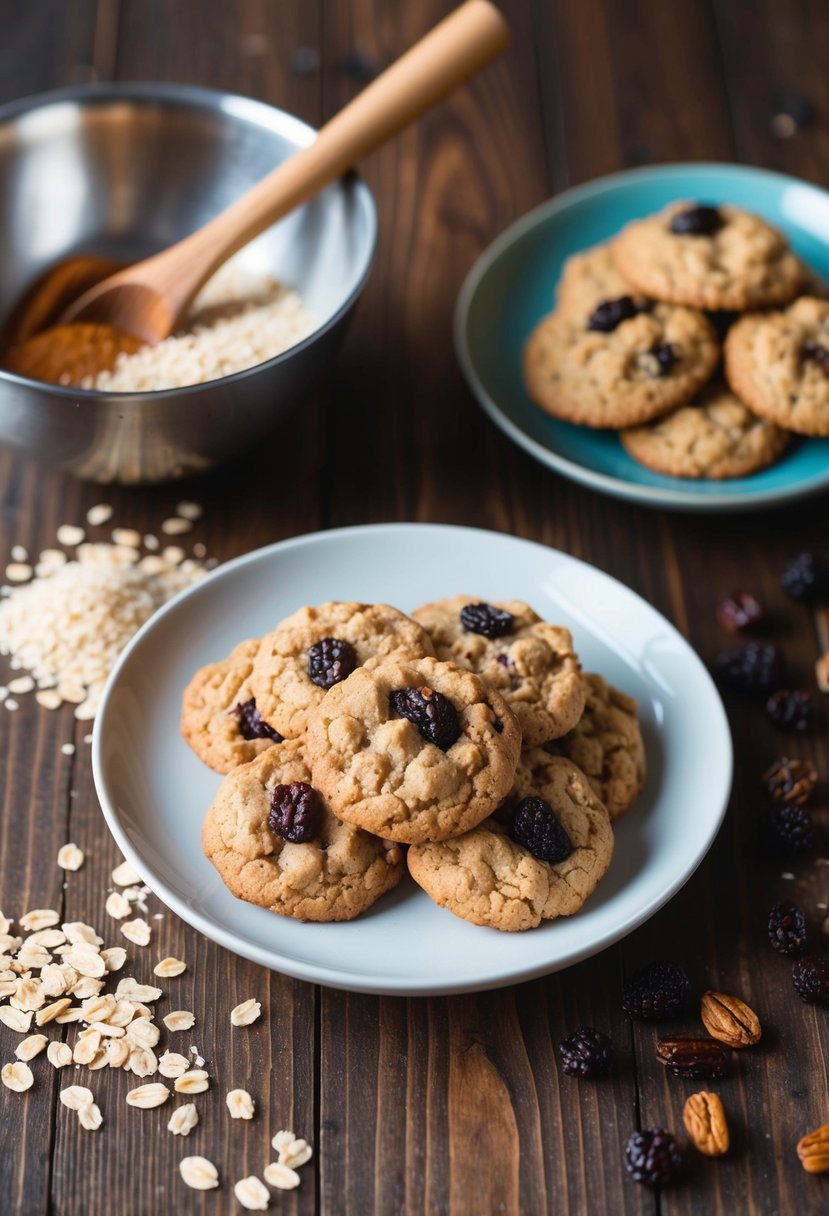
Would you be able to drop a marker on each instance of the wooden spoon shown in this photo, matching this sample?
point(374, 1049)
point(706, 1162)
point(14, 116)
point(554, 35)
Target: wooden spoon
point(147, 299)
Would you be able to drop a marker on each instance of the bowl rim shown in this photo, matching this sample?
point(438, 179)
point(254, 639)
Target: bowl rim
point(236, 105)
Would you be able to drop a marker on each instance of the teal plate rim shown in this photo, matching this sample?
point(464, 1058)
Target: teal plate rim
point(801, 473)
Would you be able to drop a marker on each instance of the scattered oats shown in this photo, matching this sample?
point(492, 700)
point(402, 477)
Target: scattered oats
point(176, 526)
point(142, 1032)
point(87, 738)
point(142, 1061)
point(252, 1194)
point(283, 1140)
point(59, 1054)
point(86, 1046)
point(69, 1015)
point(126, 536)
point(68, 749)
point(76, 1096)
point(50, 560)
point(187, 510)
point(123, 1013)
point(196, 1081)
point(150, 541)
point(86, 711)
point(125, 875)
point(198, 1173)
point(77, 931)
point(100, 1059)
point(240, 1104)
point(32, 955)
point(70, 535)
point(298, 1153)
point(84, 957)
point(49, 1012)
point(117, 1052)
point(246, 1013)
point(183, 1119)
point(137, 931)
point(11, 705)
point(70, 857)
point(146, 1096)
point(46, 937)
point(199, 550)
point(17, 1076)
point(73, 693)
point(169, 967)
point(281, 1176)
point(133, 991)
point(28, 995)
point(39, 918)
point(18, 572)
point(117, 906)
point(787, 876)
point(8, 986)
point(4, 692)
point(15, 1019)
point(179, 1019)
point(19, 553)
point(21, 684)
point(85, 987)
point(114, 958)
point(101, 513)
point(90, 1117)
point(98, 1008)
point(31, 1047)
point(172, 1064)
point(173, 555)
point(158, 916)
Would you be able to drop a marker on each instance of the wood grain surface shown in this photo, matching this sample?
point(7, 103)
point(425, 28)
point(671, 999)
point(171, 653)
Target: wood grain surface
point(452, 1105)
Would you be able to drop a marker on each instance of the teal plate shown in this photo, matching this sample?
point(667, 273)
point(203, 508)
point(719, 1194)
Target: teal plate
point(511, 287)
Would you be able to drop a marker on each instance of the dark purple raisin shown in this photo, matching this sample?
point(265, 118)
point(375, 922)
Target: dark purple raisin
point(586, 1053)
point(251, 723)
point(790, 709)
point(810, 976)
point(656, 993)
point(330, 660)
point(806, 578)
point(739, 611)
point(702, 220)
point(791, 781)
point(755, 667)
point(817, 353)
point(791, 830)
point(653, 1156)
point(433, 714)
point(535, 827)
point(787, 928)
point(296, 811)
point(611, 313)
point(666, 355)
point(486, 619)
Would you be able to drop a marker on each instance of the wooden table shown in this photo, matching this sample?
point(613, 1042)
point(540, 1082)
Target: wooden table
point(442, 1105)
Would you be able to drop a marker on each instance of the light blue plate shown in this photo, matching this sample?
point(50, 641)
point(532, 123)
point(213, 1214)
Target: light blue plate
point(511, 287)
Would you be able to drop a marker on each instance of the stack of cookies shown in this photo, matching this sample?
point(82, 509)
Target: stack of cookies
point(465, 731)
point(691, 335)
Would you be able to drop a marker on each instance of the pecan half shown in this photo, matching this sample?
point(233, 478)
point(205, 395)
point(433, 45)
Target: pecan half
point(813, 1151)
point(729, 1019)
point(704, 1120)
point(686, 1056)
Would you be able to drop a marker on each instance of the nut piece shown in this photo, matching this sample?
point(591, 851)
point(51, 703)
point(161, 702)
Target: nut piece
point(245, 1013)
point(252, 1194)
point(687, 1056)
point(145, 1096)
point(240, 1104)
point(17, 1076)
point(704, 1120)
point(199, 1173)
point(183, 1119)
point(813, 1150)
point(729, 1019)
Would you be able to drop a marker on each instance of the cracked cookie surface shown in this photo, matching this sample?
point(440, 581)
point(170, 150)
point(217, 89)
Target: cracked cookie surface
point(335, 876)
point(487, 878)
point(209, 724)
point(778, 363)
point(379, 772)
point(743, 263)
point(717, 436)
point(285, 693)
point(533, 664)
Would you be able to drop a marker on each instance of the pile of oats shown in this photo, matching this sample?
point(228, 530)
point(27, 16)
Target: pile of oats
point(65, 620)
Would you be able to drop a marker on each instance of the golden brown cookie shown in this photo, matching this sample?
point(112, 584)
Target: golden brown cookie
point(500, 873)
point(219, 718)
point(413, 749)
point(590, 279)
point(334, 875)
point(317, 647)
point(531, 663)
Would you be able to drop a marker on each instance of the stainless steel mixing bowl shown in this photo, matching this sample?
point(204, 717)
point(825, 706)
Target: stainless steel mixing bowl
point(122, 171)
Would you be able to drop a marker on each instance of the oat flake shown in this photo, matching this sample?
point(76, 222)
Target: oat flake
point(246, 1013)
point(252, 1194)
point(240, 1104)
point(183, 1119)
point(281, 1176)
point(17, 1076)
point(70, 857)
point(199, 1173)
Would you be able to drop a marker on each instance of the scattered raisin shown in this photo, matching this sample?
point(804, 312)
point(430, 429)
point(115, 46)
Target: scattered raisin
point(653, 1156)
point(790, 829)
point(486, 619)
point(701, 220)
point(296, 811)
point(251, 723)
point(817, 353)
point(755, 667)
point(791, 781)
point(666, 355)
point(790, 709)
point(697, 1058)
point(586, 1053)
point(787, 928)
point(433, 714)
point(656, 993)
point(739, 611)
point(806, 578)
point(330, 660)
point(535, 826)
point(611, 313)
point(810, 976)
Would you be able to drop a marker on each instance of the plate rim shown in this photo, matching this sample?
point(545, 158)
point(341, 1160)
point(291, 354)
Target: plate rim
point(617, 487)
point(348, 980)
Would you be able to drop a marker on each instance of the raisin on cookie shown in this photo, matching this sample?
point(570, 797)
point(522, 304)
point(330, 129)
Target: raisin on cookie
point(592, 287)
point(318, 647)
point(413, 749)
point(531, 663)
point(275, 843)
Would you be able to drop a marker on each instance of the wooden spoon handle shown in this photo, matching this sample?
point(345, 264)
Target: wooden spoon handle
point(450, 53)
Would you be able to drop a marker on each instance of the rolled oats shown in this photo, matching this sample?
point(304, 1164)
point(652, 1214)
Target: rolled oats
point(199, 1173)
point(252, 1194)
point(180, 1019)
point(171, 1064)
point(49, 938)
point(196, 1081)
point(281, 1176)
point(117, 906)
point(142, 1032)
point(86, 987)
point(169, 967)
point(99, 514)
point(298, 1153)
point(84, 957)
point(240, 1104)
point(142, 1061)
point(39, 918)
point(86, 1046)
point(114, 958)
point(15, 1019)
point(146, 1096)
point(134, 991)
point(90, 1117)
point(31, 1047)
point(78, 932)
point(28, 995)
point(76, 1096)
point(17, 1076)
point(125, 875)
point(137, 931)
point(98, 1008)
point(59, 1054)
point(117, 1052)
point(70, 535)
point(246, 1013)
point(183, 1119)
point(72, 1014)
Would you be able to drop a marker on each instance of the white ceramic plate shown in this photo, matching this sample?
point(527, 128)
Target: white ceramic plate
point(154, 791)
